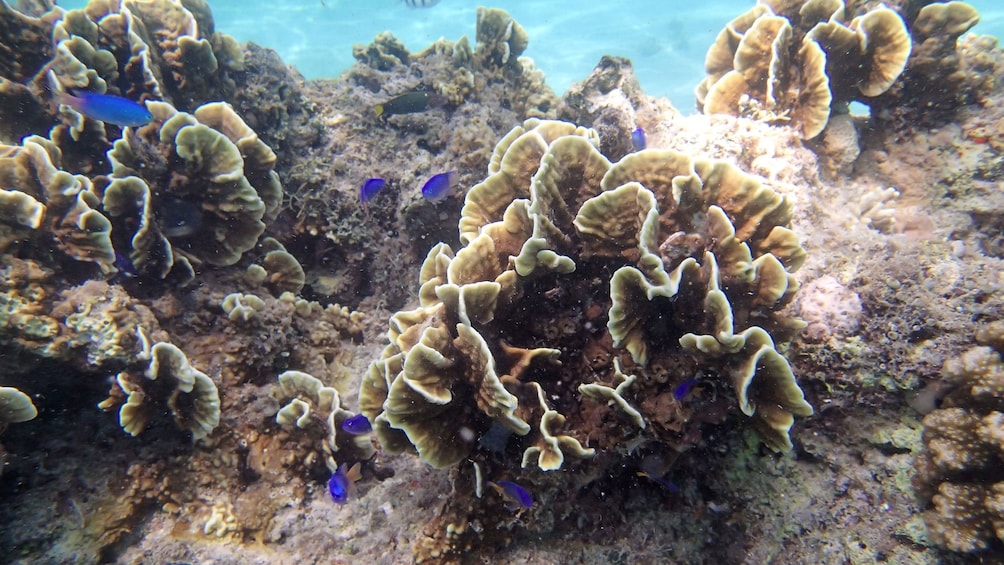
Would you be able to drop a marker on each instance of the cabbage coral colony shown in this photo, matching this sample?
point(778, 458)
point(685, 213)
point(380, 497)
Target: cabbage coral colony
point(802, 62)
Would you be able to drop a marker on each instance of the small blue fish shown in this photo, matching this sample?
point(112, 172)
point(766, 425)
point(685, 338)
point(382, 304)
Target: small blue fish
point(683, 389)
point(125, 267)
point(438, 187)
point(515, 495)
point(107, 108)
point(370, 188)
point(357, 425)
point(342, 483)
point(638, 139)
point(661, 480)
point(421, 3)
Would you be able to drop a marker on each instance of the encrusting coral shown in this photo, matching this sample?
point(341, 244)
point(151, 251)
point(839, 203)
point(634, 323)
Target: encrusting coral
point(961, 473)
point(801, 62)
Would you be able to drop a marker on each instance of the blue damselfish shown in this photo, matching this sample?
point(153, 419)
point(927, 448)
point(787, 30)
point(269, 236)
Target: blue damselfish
point(370, 188)
point(342, 481)
point(638, 140)
point(357, 425)
point(683, 389)
point(515, 495)
point(438, 187)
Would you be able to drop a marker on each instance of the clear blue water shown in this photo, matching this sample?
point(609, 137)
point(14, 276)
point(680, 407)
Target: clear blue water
point(665, 39)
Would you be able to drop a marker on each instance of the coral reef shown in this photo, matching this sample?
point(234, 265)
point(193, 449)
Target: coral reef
point(479, 98)
point(804, 62)
point(613, 330)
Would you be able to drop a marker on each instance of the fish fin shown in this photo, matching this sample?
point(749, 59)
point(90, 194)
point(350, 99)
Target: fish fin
point(354, 473)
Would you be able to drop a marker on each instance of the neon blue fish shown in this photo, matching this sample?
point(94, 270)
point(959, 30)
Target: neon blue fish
point(438, 187)
point(357, 425)
point(515, 495)
point(683, 389)
point(638, 139)
point(669, 485)
point(342, 483)
point(105, 107)
point(370, 188)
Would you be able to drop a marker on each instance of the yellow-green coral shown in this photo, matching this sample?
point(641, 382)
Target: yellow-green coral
point(799, 61)
point(167, 381)
point(15, 407)
point(316, 408)
point(555, 213)
point(53, 207)
point(223, 188)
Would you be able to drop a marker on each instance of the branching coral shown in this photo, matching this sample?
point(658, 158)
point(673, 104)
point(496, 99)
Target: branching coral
point(960, 473)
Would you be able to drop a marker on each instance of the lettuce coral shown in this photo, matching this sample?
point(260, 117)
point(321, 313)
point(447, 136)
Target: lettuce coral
point(691, 258)
point(800, 62)
point(189, 188)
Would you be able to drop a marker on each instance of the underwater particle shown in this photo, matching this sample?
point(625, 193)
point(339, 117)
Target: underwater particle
point(410, 103)
point(107, 108)
point(438, 186)
point(515, 495)
point(370, 188)
point(357, 425)
point(342, 482)
point(638, 140)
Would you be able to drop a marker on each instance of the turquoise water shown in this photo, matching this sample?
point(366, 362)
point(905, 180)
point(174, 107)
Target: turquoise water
point(665, 39)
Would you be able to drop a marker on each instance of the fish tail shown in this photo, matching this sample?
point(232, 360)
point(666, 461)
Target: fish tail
point(379, 110)
point(59, 94)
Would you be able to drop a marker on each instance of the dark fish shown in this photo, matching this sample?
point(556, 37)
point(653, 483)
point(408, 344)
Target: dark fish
point(357, 425)
point(341, 484)
point(495, 438)
point(124, 265)
point(178, 217)
point(638, 139)
point(683, 389)
point(515, 495)
point(370, 188)
point(410, 103)
point(105, 107)
point(662, 481)
point(421, 3)
point(438, 187)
